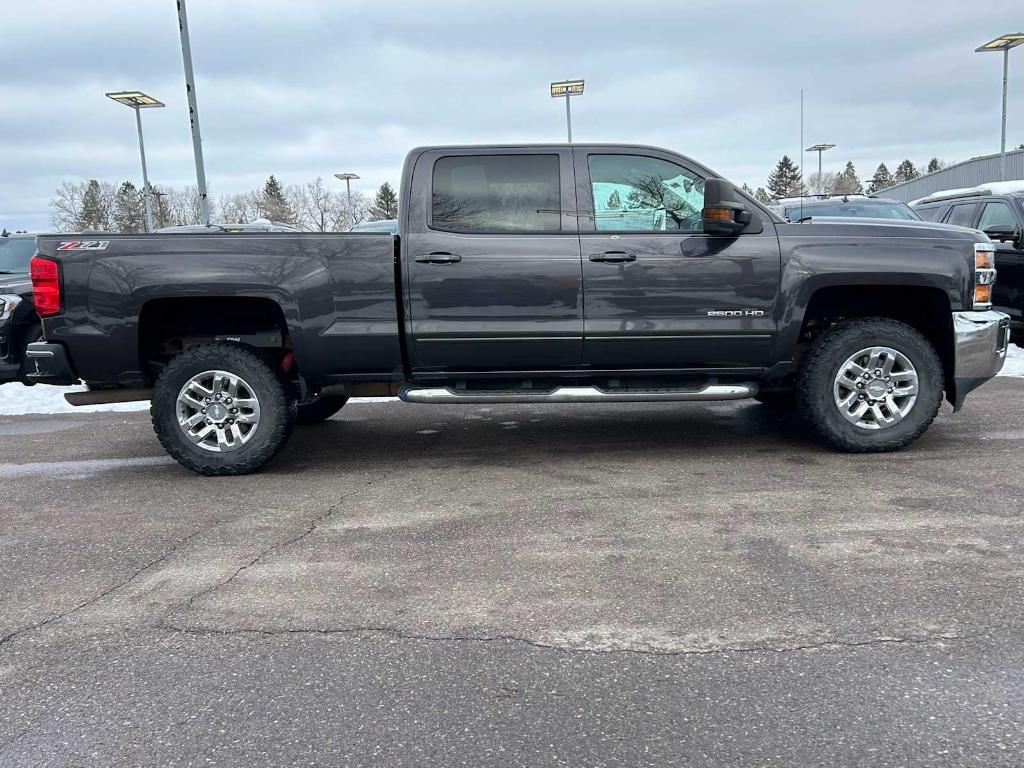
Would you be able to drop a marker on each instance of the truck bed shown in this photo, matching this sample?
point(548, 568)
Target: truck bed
point(335, 294)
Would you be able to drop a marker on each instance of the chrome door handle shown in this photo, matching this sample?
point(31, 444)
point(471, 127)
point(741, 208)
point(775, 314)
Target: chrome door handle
point(613, 257)
point(438, 258)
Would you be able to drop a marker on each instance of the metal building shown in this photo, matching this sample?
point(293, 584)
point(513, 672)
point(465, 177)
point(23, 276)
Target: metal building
point(969, 173)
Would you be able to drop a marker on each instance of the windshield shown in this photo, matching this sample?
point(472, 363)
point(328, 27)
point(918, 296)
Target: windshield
point(15, 253)
point(860, 209)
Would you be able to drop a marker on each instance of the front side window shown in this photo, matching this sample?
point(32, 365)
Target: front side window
point(496, 193)
point(962, 215)
point(997, 215)
point(633, 193)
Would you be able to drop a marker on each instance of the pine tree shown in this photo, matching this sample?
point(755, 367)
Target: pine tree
point(385, 204)
point(847, 182)
point(129, 209)
point(762, 196)
point(93, 213)
point(881, 180)
point(614, 201)
point(273, 204)
point(785, 180)
point(905, 171)
point(935, 165)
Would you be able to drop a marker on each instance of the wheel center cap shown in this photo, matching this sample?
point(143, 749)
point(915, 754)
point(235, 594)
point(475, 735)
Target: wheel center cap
point(217, 412)
point(877, 388)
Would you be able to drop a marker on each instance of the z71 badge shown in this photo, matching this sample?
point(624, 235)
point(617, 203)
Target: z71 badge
point(83, 245)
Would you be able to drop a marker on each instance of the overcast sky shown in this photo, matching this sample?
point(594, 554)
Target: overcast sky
point(302, 89)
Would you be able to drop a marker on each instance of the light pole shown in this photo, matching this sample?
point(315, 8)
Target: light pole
point(193, 112)
point(347, 178)
point(1003, 43)
point(138, 100)
point(567, 89)
point(819, 148)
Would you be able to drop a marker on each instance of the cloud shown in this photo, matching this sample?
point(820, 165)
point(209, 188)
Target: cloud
point(304, 89)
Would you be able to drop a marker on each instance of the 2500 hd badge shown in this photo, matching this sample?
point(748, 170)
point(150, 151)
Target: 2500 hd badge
point(735, 313)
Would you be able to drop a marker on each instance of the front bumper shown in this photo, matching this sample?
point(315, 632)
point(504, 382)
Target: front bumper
point(980, 343)
point(49, 364)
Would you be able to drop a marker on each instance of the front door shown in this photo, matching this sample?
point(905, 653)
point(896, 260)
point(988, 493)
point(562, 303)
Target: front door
point(660, 294)
point(492, 262)
point(1007, 294)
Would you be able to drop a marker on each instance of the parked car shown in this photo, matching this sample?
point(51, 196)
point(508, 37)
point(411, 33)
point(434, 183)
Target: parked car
point(997, 209)
point(258, 225)
point(526, 274)
point(382, 225)
point(19, 323)
point(843, 206)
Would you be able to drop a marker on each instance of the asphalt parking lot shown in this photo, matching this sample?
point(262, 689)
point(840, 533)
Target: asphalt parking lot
point(656, 584)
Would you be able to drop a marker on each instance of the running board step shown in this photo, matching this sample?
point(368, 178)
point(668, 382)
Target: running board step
point(587, 394)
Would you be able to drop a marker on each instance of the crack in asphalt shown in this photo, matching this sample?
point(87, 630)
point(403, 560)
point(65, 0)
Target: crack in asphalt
point(110, 590)
point(308, 527)
point(400, 634)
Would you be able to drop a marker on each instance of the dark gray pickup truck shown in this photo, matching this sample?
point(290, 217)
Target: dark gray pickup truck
point(525, 274)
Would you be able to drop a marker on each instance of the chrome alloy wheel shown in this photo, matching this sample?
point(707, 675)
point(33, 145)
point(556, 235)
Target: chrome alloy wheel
point(218, 411)
point(875, 388)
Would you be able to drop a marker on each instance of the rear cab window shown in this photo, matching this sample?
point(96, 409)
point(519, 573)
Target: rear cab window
point(496, 194)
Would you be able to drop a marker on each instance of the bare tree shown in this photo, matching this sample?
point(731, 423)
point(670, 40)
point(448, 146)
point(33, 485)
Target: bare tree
point(239, 208)
point(317, 208)
point(67, 206)
point(823, 184)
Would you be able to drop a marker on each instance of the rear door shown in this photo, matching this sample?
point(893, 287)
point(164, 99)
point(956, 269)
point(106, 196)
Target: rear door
point(492, 261)
point(660, 294)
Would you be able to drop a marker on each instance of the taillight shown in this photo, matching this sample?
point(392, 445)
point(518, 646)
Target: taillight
point(45, 276)
point(984, 274)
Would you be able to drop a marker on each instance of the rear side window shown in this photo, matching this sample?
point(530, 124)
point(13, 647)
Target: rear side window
point(496, 193)
point(963, 215)
point(929, 214)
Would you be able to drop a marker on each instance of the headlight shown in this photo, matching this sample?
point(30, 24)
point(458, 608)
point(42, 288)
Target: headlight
point(8, 303)
point(984, 274)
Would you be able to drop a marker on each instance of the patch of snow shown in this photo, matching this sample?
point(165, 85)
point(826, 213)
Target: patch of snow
point(1014, 365)
point(16, 400)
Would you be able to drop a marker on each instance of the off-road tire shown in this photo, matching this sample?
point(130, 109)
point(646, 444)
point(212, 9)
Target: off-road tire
point(320, 409)
point(277, 410)
point(821, 366)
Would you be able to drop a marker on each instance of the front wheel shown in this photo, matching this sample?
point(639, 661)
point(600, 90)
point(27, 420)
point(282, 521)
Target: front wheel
point(871, 385)
point(221, 409)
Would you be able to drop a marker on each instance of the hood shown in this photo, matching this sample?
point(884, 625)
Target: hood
point(864, 227)
point(17, 283)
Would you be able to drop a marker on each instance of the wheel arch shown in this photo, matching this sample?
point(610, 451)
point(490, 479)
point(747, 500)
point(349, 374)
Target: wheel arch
point(171, 324)
point(925, 307)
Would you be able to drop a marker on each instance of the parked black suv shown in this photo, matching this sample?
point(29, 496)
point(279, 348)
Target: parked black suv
point(19, 324)
point(997, 209)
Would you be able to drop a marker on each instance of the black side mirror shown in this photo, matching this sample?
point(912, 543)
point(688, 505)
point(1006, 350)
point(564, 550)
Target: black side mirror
point(1002, 232)
point(723, 214)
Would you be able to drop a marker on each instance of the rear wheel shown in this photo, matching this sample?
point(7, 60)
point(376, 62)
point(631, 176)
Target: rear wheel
point(221, 409)
point(319, 409)
point(871, 385)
